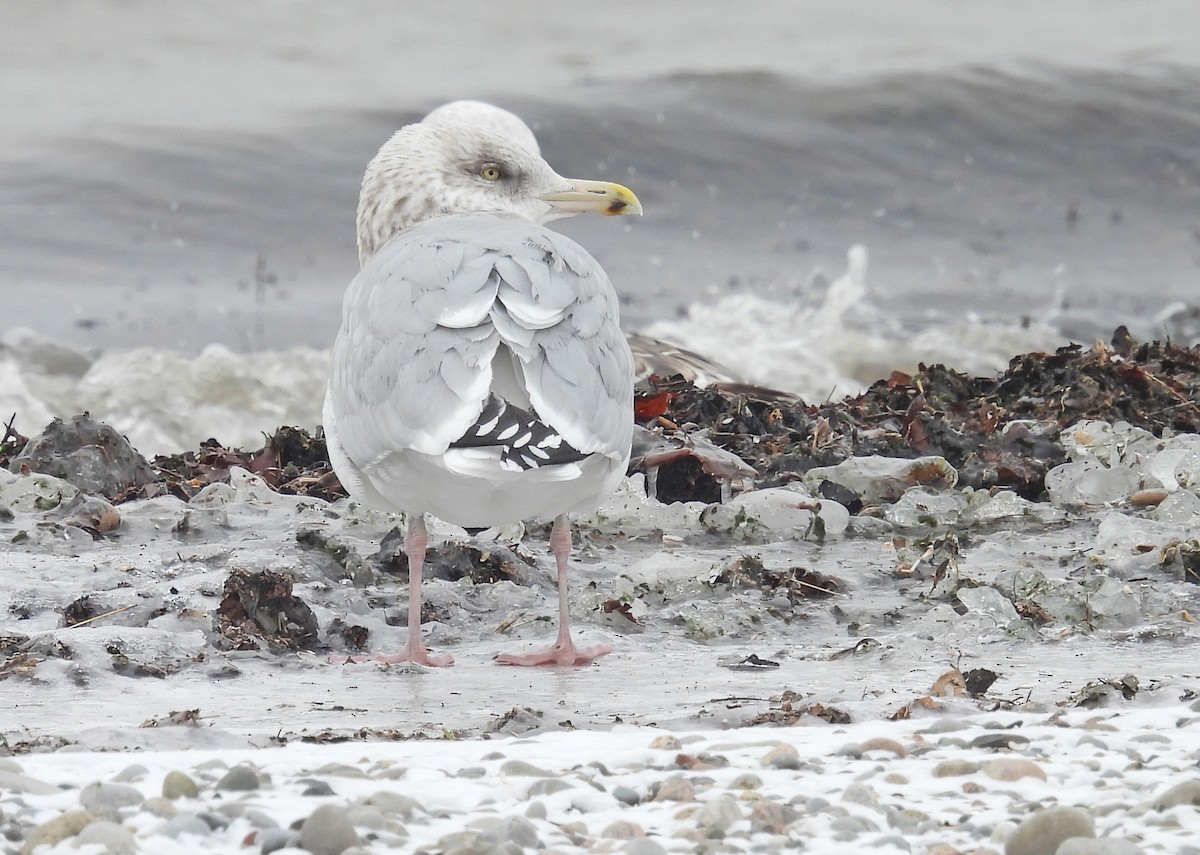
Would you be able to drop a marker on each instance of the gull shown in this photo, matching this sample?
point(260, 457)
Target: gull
point(480, 374)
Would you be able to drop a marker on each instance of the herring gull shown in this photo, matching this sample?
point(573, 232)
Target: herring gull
point(480, 374)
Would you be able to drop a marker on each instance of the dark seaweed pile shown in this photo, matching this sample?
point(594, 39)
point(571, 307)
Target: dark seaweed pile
point(996, 431)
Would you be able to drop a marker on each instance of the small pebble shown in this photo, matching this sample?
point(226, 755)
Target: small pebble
point(675, 789)
point(1042, 832)
point(1013, 769)
point(184, 823)
point(328, 831)
point(113, 837)
point(59, 828)
point(177, 785)
point(392, 803)
point(239, 778)
point(101, 794)
point(782, 757)
point(997, 741)
point(626, 795)
point(718, 814)
point(643, 846)
point(273, 839)
point(1184, 793)
point(666, 742)
point(772, 817)
point(882, 743)
point(622, 830)
point(521, 769)
point(955, 768)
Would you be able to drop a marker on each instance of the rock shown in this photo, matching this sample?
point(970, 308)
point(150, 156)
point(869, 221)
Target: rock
point(99, 794)
point(1042, 832)
point(134, 772)
point(1097, 846)
point(160, 807)
point(113, 837)
point(86, 453)
point(954, 768)
point(675, 789)
point(1013, 769)
point(861, 794)
point(548, 787)
point(782, 757)
point(1185, 793)
point(771, 817)
point(643, 846)
point(239, 778)
point(718, 814)
point(626, 795)
point(521, 769)
point(184, 823)
point(882, 743)
point(391, 803)
point(328, 831)
point(54, 830)
point(666, 742)
point(317, 788)
point(15, 782)
point(500, 830)
point(997, 741)
point(177, 785)
point(622, 830)
point(273, 839)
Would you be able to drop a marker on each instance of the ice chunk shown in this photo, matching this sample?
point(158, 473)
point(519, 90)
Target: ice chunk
point(884, 479)
point(919, 508)
point(1090, 482)
point(777, 509)
point(31, 493)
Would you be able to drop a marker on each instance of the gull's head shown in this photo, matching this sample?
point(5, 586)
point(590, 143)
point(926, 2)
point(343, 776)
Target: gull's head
point(468, 157)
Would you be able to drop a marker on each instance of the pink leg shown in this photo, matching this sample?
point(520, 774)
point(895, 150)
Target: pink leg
point(415, 651)
point(564, 651)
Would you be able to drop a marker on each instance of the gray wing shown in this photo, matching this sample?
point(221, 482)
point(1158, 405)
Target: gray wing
point(422, 321)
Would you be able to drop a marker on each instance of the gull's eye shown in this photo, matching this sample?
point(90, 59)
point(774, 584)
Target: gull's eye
point(491, 172)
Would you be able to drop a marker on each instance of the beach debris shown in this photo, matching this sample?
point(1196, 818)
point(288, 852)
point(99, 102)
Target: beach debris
point(652, 451)
point(292, 461)
point(788, 709)
point(259, 608)
point(11, 443)
point(992, 431)
point(88, 454)
point(174, 718)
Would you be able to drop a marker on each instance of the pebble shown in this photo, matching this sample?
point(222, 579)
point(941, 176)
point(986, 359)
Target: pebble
point(675, 789)
point(273, 839)
point(882, 743)
point(997, 741)
point(782, 757)
point(862, 794)
point(113, 837)
point(328, 831)
point(626, 795)
point(1013, 769)
point(177, 785)
point(184, 823)
point(521, 769)
point(99, 794)
point(1042, 833)
point(623, 830)
point(955, 768)
point(666, 742)
point(15, 782)
point(391, 803)
point(315, 788)
point(718, 814)
point(500, 829)
point(771, 816)
point(239, 778)
point(1185, 793)
point(59, 828)
point(643, 846)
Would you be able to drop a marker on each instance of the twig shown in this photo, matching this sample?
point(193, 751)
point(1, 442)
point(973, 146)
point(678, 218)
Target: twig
point(97, 617)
